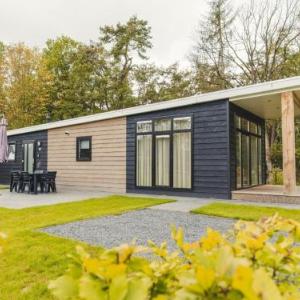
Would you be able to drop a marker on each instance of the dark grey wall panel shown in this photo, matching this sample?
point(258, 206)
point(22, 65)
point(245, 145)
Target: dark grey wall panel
point(251, 117)
point(210, 150)
point(41, 162)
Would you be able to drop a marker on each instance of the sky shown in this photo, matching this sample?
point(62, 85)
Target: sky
point(173, 22)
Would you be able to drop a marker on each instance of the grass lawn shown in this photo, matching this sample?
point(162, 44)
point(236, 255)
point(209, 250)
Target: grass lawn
point(32, 258)
point(4, 187)
point(245, 212)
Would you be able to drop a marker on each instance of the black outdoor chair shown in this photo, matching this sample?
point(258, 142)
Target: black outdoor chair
point(42, 181)
point(15, 181)
point(48, 182)
point(26, 181)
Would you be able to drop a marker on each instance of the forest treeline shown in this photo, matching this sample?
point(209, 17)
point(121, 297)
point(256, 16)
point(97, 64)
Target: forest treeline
point(233, 46)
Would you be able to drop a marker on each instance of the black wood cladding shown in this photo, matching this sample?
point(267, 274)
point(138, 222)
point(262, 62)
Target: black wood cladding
point(213, 149)
point(211, 165)
point(41, 161)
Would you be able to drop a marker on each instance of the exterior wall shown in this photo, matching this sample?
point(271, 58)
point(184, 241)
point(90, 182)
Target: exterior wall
point(249, 116)
point(107, 169)
point(40, 162)
point(210, 150)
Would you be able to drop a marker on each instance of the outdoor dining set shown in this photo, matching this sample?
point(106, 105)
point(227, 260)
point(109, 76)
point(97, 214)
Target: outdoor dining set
point(43, 181)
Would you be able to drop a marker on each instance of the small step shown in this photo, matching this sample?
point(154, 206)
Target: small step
point(265, 197)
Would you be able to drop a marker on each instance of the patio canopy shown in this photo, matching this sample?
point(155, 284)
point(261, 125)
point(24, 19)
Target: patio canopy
point(267, 105)
point(284, 104)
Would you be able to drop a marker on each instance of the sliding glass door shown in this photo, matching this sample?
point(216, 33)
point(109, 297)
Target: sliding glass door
point(28, 157)
point(248, 153)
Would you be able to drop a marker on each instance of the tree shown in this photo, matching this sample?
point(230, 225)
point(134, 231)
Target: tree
point(270, 31)
point(25, 86)
point(251, 46)
point(58, 57)
point(87, 80)
point(258, 44)
point(209, 54)
point(77, 70)
point(153, 84)
point(124, 43)
point(2, 77)
point(269, 35)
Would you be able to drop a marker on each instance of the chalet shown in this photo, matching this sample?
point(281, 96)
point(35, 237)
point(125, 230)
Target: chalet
point(208, 145)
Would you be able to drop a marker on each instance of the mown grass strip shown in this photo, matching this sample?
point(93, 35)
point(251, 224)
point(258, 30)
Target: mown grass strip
point(32, 258)
point(245, 212)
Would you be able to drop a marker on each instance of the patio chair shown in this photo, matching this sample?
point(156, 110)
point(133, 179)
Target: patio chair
point(42, 181)
point(27, 181)
point(15, 181)
point(48, 182)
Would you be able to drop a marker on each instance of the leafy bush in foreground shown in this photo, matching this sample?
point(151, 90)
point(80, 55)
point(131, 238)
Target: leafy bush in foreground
point(253, 261)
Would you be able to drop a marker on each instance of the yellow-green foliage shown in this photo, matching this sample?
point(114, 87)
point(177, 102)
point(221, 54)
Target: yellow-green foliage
point(253, 261)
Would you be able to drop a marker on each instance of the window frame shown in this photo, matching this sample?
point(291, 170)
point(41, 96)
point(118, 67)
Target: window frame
point(79, 139)
point(249, 134)
point(15, 144)
point(166, 132)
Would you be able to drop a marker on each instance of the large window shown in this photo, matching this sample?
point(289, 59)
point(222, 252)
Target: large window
point(84, 148)
point(164, 153)
point(248, 152)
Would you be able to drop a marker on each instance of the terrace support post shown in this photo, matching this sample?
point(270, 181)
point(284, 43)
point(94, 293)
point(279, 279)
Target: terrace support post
point(288, 142)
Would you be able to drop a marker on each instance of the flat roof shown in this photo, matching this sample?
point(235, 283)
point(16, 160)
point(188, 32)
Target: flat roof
point(234, 94)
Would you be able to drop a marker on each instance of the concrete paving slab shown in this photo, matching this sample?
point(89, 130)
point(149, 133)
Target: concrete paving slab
point(22, 200)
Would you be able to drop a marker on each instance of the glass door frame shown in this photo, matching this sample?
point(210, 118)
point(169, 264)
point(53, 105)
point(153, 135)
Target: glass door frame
point(26, 142)
point(249, 134)
point(155, 156)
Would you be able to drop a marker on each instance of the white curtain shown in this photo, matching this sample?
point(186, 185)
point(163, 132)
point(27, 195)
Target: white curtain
point(182, 165)
point(163, 125)
point(144, 160)
point(163, 160)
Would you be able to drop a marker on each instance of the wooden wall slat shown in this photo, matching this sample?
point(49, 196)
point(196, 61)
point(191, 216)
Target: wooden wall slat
point(107, 169)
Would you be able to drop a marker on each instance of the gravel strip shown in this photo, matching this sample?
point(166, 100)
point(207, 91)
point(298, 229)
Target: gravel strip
point(142, 225)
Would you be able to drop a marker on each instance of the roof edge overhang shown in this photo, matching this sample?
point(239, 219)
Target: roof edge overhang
point(234, 94)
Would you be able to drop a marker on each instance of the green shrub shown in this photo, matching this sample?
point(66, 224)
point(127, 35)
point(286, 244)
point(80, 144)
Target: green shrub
point(252, 261)
point(277, 177)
